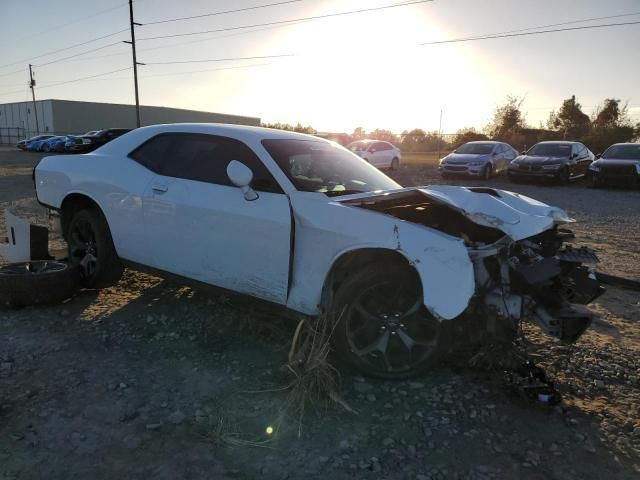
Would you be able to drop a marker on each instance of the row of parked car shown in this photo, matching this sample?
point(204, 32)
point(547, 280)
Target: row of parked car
point(84, 143)
point(559, 161)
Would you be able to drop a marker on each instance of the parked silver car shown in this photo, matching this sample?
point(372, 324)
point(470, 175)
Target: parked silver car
point(478, 159)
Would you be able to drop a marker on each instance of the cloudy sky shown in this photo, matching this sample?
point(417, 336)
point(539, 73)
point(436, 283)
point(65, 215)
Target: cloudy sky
point(337, 73)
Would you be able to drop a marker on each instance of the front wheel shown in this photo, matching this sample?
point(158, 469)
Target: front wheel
point(394, 164)
point(564, 176)
point(91, 248)
point(383, 328)
point(486, 173)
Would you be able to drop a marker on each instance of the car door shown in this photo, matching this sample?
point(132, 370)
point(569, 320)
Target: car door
point(201, 227)
point(382, 154)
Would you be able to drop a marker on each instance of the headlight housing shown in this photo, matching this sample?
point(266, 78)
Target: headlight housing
point(594, 167)
point(554, 166)
point(638, 168)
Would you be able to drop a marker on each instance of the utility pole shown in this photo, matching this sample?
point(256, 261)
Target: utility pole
point(32, 83)
point(135, 62)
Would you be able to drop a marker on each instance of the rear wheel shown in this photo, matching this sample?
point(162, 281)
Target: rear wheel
point(46, 148)
point(564, 176)
point(383, 328)
point(91, 248)
point(486, 173)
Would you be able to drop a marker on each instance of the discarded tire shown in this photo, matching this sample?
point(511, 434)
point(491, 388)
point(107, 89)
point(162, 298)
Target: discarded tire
point(37, 283)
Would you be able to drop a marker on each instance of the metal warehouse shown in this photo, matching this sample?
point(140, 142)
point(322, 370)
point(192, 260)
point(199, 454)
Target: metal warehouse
point(21, 120)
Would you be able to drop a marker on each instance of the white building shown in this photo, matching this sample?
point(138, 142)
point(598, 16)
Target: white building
point(18, 120)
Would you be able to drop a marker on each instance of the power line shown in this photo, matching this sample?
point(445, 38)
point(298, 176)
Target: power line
point(41, 32)
point(223, 59)
point(488, 37)
point(12, 73)
point(64, 49)
point(630, 14)
point(60, 60)
point(281, 22)
point(85, 78)
point(225, 12)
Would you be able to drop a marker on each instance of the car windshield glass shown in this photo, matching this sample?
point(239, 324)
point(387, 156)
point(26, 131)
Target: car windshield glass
point(623, 152)
point(358, 146)
point(550, 150)
point(315, 166)
point(475, 148)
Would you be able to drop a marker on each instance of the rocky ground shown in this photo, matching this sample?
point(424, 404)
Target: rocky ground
point(151, 379)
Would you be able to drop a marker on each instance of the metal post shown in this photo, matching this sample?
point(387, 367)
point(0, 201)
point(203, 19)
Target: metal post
point(135, 62)
point(32, 83)
point(440, 136)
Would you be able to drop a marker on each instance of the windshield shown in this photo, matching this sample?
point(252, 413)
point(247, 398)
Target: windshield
point(550, 150)
point(623, 152)
point(316, 166)
point(359, 146)
point(475, 148)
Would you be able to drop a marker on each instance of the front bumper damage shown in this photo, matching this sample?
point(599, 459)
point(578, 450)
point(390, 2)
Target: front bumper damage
point(537, 279)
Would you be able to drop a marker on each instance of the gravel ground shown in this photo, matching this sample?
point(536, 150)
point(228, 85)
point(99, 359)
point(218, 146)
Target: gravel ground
point(151, 379)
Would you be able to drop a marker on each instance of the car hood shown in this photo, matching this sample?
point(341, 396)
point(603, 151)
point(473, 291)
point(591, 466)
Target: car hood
point(604, 162)
point(515, 215)
point(464, 158)
point(535, 160)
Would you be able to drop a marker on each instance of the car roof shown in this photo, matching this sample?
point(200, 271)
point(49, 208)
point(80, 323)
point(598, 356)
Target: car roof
point(243, 133)
point(559, 142)
point(625, 143)
point(484, 141)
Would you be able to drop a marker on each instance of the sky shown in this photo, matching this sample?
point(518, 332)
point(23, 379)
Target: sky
point(335, 74)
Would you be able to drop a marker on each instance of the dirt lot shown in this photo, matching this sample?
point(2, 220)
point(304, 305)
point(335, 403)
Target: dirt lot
point(151, 379)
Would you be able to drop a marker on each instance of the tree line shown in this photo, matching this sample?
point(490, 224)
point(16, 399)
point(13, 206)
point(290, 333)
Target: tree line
point(609, 123)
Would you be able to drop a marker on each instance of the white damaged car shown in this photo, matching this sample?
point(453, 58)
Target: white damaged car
point(302, 223)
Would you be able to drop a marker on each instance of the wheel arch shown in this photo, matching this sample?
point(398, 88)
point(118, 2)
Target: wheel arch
point(74, 202)
point(350, 261)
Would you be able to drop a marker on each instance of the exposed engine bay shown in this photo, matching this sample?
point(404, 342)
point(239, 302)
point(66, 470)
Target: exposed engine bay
point(542, 278)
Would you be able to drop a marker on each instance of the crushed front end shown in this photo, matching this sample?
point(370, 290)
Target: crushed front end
point(539, 279)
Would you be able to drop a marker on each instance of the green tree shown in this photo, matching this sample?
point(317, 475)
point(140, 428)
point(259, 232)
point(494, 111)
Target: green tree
point(507, 120)
point(610, 124)
point(385, 135)
point(359, 133)
point(570, 120)
point(291, 128)
point(465, 135)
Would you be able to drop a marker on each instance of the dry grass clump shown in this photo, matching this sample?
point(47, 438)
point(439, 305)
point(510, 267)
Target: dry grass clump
point(314, 381)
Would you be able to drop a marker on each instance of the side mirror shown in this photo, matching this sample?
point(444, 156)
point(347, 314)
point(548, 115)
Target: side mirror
point(241, 176)
point(523, 152)
point(598, 155)
point(372, 150)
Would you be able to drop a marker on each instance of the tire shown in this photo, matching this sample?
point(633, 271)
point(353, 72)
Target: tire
point(486, 173)
point(395, 163)
point(91, 249)
point(564, 176)
point(37, 283)
point(46, 148)
point(394, 293)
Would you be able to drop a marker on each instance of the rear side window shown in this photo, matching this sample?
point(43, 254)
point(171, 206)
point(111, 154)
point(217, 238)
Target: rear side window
point(203, 158)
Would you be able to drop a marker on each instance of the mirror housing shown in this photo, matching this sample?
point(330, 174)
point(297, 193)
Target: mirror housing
point(523, 152)
point(599, 155)
point(241, 176)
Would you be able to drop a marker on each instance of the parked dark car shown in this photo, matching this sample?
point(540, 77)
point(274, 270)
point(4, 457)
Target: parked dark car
point(559, 161)
point(478, 159)
point(88, 143)
point(618, 165)
point(22, 144)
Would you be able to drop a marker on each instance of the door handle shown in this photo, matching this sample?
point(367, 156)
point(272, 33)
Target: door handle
point(159, 188)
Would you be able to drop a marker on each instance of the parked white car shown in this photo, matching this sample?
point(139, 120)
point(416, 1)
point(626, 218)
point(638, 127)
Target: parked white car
point(378, 153)
point(303, 223)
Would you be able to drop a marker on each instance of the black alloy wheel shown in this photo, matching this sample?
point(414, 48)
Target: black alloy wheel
point(385, 331)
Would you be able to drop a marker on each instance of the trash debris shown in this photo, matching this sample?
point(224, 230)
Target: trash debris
point(531, 383)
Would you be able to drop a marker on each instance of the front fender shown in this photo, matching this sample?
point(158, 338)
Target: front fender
point(325, 231)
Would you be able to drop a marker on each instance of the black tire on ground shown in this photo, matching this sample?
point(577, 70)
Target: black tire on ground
point(487, 171)
point(394, 164)
point(91, 249)
point(383, 329)
point(564, 176)
point(37, 283)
